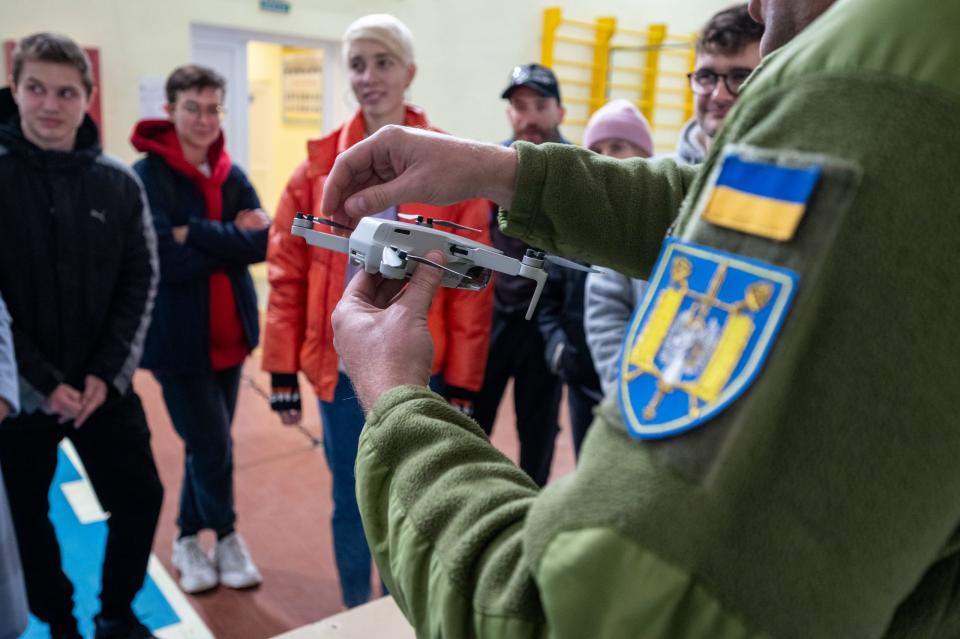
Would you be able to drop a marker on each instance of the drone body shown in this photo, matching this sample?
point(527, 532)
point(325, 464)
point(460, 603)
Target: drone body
point(394, 249)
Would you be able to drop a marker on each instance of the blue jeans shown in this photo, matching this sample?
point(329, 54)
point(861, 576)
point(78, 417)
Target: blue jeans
point(201, 407)
point(342, 422)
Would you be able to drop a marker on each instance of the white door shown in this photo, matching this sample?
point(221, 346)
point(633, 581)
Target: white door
point(261, 151)
point(227, 54)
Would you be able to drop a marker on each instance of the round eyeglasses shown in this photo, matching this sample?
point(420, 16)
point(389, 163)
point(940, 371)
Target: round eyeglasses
point(704, 81)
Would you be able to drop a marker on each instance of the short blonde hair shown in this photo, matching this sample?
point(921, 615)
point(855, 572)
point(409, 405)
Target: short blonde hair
point(385, 29)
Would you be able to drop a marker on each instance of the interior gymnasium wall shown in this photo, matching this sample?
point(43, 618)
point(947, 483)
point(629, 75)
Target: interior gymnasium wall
point(464, 49)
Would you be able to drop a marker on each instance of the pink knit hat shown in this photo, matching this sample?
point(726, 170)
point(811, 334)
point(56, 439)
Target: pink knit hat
point(619, 119)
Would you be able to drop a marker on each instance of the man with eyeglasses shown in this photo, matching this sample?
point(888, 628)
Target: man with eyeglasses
point(728, 51)
point(210, 227)
point(78, 273)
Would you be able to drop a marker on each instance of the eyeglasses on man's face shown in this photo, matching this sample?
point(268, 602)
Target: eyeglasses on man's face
point(704, 81)
point(195, 109)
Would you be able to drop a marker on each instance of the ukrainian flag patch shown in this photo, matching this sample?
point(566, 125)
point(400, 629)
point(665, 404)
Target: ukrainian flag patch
point(699, 337)
point(761, 199)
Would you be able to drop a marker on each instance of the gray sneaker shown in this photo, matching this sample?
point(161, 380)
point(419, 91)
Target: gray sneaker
point(233, 561)
point(197, 572)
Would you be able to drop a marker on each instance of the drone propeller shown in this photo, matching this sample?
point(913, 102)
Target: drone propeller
point(429, 221)
point(564, 262)
point(323, 220)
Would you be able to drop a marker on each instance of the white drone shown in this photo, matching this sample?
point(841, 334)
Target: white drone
point(394, 248)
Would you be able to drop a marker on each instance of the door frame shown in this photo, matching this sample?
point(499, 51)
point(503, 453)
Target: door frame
point(233, 42)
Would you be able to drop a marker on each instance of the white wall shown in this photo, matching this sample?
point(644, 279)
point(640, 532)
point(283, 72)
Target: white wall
point(464, 49)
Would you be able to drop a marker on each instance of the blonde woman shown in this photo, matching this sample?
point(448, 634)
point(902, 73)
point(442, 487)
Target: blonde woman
point(306, 284)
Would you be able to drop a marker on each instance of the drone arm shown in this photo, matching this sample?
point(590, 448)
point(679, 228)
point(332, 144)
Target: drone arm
point(304, 229)
point(494, 261)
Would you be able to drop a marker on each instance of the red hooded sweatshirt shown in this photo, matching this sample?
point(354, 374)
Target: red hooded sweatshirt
point(228, 344)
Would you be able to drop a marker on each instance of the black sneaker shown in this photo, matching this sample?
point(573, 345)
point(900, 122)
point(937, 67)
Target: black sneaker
point(128, 627)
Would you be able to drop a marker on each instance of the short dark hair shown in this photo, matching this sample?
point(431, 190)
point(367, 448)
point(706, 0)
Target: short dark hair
point(55, 48)
point(193, 76)
point(729, 31)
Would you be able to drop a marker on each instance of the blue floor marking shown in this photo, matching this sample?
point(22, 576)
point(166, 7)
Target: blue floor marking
point(82, 547)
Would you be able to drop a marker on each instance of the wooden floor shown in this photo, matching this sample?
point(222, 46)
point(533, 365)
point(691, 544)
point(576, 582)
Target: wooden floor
point(283, 505)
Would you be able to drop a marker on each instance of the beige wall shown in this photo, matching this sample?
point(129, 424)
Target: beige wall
point(464, 49)
point(277, 145)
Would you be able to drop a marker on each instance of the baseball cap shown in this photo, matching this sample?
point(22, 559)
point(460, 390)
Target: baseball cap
point(533, 76)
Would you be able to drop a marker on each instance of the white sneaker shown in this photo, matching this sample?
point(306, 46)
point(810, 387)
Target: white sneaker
point(233, 561)
point(197, 572)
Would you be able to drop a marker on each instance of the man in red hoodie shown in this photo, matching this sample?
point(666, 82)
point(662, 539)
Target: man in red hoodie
point(209, 228)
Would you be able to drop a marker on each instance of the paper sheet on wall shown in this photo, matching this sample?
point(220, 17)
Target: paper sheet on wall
point(152, 98)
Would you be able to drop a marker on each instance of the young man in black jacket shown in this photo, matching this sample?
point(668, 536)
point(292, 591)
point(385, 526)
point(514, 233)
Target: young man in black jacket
point(78, 271)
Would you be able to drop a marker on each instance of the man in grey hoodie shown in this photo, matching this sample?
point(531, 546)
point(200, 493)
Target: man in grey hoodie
point(727, 53)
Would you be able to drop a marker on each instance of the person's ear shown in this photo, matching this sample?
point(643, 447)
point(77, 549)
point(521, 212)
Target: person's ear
point(411, 74)
point(168, 109)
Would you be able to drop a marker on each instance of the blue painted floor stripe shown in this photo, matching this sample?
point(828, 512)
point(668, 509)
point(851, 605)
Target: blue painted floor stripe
point(82, 547)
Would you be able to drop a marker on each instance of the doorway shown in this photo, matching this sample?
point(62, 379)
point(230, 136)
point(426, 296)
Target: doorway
point(265, 127)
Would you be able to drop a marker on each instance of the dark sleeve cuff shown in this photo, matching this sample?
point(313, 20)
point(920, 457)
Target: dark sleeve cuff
point(531, 174)
point(284, 380)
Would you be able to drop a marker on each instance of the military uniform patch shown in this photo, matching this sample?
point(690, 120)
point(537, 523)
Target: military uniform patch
point(699, 337)
point(761, 198)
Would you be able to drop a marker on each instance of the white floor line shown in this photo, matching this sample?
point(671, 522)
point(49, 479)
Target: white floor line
point(84, 502)
point(190, 626)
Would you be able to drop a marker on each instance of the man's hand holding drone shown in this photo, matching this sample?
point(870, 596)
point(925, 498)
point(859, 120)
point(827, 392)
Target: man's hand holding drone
point(380, 330)
point(399, 164)
point(380, 325)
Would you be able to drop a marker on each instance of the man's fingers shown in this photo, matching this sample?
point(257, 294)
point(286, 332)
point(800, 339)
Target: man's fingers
point(371, 200)
point(387, 292)
point(418, 295)
point(84, 413)
point(290, 417)
point(345, 178)
point(362, 287)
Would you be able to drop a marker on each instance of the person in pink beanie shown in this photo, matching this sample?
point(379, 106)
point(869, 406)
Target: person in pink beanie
point(619, 130)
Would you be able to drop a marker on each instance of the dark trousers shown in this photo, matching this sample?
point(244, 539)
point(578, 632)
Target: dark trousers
point(517, 350)
point(201, 407)
point(114, 446)
point(581, 405)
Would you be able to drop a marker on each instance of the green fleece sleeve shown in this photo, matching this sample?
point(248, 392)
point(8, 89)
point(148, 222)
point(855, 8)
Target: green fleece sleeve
point(445, 514)
point(443, 511)
point(571, 201)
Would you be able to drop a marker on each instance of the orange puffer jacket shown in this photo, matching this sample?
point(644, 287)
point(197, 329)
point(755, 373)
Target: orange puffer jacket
point(307, 282)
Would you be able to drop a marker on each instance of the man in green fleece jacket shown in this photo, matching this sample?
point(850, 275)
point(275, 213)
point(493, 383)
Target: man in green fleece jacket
point(782, 457)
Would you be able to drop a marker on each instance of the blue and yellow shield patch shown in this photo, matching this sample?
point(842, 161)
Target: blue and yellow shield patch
point(699, 337)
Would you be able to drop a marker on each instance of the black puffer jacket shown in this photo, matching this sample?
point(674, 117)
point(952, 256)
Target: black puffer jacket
point(78, 262)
